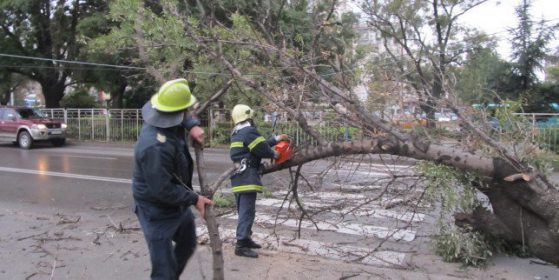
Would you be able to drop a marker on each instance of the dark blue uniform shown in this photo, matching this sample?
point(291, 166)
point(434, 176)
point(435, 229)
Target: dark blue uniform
point(248, 148)
point(162, 166)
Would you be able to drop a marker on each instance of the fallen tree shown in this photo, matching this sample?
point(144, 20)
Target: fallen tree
point(524, 204)
point(524, 207)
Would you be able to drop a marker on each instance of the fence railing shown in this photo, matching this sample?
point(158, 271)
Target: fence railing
point(124, 125)
point(100, 124)
point(545, 129)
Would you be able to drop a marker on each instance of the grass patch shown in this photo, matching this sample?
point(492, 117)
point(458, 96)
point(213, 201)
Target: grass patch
point(224, 201)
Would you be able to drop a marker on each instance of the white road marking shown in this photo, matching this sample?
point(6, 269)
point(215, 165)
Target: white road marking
point(364, 211)
point(317, 248)
point(66, 175)
point(381, 213)
point(327, 195)
point(340, 227)
point(73, 176)
point(375, 170)
point(366, 173)
point(333, 197)
point(94, 151)
point(335, 172)
point(375, 165)
point(90, 157)
point(359, 187)
point(355, 188)
point(326, 198)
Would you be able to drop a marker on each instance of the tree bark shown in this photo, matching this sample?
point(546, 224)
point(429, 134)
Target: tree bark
point(53, 90)
point(524, 212)
point(117, 96)
point(516, 224)
point(210, 217)
point(206, 190)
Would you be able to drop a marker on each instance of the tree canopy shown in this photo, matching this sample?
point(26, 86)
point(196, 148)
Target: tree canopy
point(37, 36)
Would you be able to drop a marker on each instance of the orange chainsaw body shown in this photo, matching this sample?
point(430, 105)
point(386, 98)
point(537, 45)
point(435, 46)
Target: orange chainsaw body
point(285, 151)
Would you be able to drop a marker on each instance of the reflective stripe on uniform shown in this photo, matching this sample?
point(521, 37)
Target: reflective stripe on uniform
point(237, 144)
point(244, 188)
point(256, 142)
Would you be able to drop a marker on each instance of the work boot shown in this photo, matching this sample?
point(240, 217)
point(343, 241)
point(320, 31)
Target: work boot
point(242, 249)
point(253, 245)
point(245, 252)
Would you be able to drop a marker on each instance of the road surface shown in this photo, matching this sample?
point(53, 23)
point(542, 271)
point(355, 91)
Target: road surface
point(80, 195)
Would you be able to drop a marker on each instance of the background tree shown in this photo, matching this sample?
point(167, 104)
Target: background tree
point(552, 67)
point(113, 80)
point(78, 99)
point(530, 47)
point(484, 77)
point(424, 39)
point(46, 30)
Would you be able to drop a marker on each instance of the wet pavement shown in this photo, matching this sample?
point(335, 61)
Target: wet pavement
point(350, 214)
point(349, 206)
point(76, 176)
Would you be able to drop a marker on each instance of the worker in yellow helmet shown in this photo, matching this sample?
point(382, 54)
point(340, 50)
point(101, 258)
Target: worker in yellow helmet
point(162, 179)
point(248, 148)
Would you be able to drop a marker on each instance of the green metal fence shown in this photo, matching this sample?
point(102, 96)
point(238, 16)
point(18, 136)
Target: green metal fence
point(124, 125)
point(118, 125)
point(545, 129)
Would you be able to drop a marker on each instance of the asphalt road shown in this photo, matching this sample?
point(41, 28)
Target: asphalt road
point(93, 180)
point(78, 176)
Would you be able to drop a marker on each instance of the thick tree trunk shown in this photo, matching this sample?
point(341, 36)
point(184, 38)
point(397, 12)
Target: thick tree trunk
point(525, 207)
point(516, 224)
point(53, 90)
point(524, 212)
point(4, 97)
point(117, 96)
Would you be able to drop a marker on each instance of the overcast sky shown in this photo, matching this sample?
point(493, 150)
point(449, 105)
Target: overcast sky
point(495, 16)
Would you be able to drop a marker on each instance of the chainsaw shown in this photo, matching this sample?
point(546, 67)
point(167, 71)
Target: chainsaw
point(284, 148)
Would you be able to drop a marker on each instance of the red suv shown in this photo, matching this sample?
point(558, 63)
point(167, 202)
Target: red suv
point(23, 126)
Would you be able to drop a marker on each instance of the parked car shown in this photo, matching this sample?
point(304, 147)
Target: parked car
point(23, 126)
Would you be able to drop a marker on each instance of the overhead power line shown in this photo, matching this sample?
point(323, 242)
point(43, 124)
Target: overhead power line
point(107, 65)
point(71, 62)
point(117, 66)
point(54, 67)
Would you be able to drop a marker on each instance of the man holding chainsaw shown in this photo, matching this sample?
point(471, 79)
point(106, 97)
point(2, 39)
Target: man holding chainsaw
point(162, 179)
point(248, 148)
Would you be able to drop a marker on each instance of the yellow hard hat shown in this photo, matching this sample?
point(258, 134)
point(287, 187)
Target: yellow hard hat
point(173, 96)
point(241, 113)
